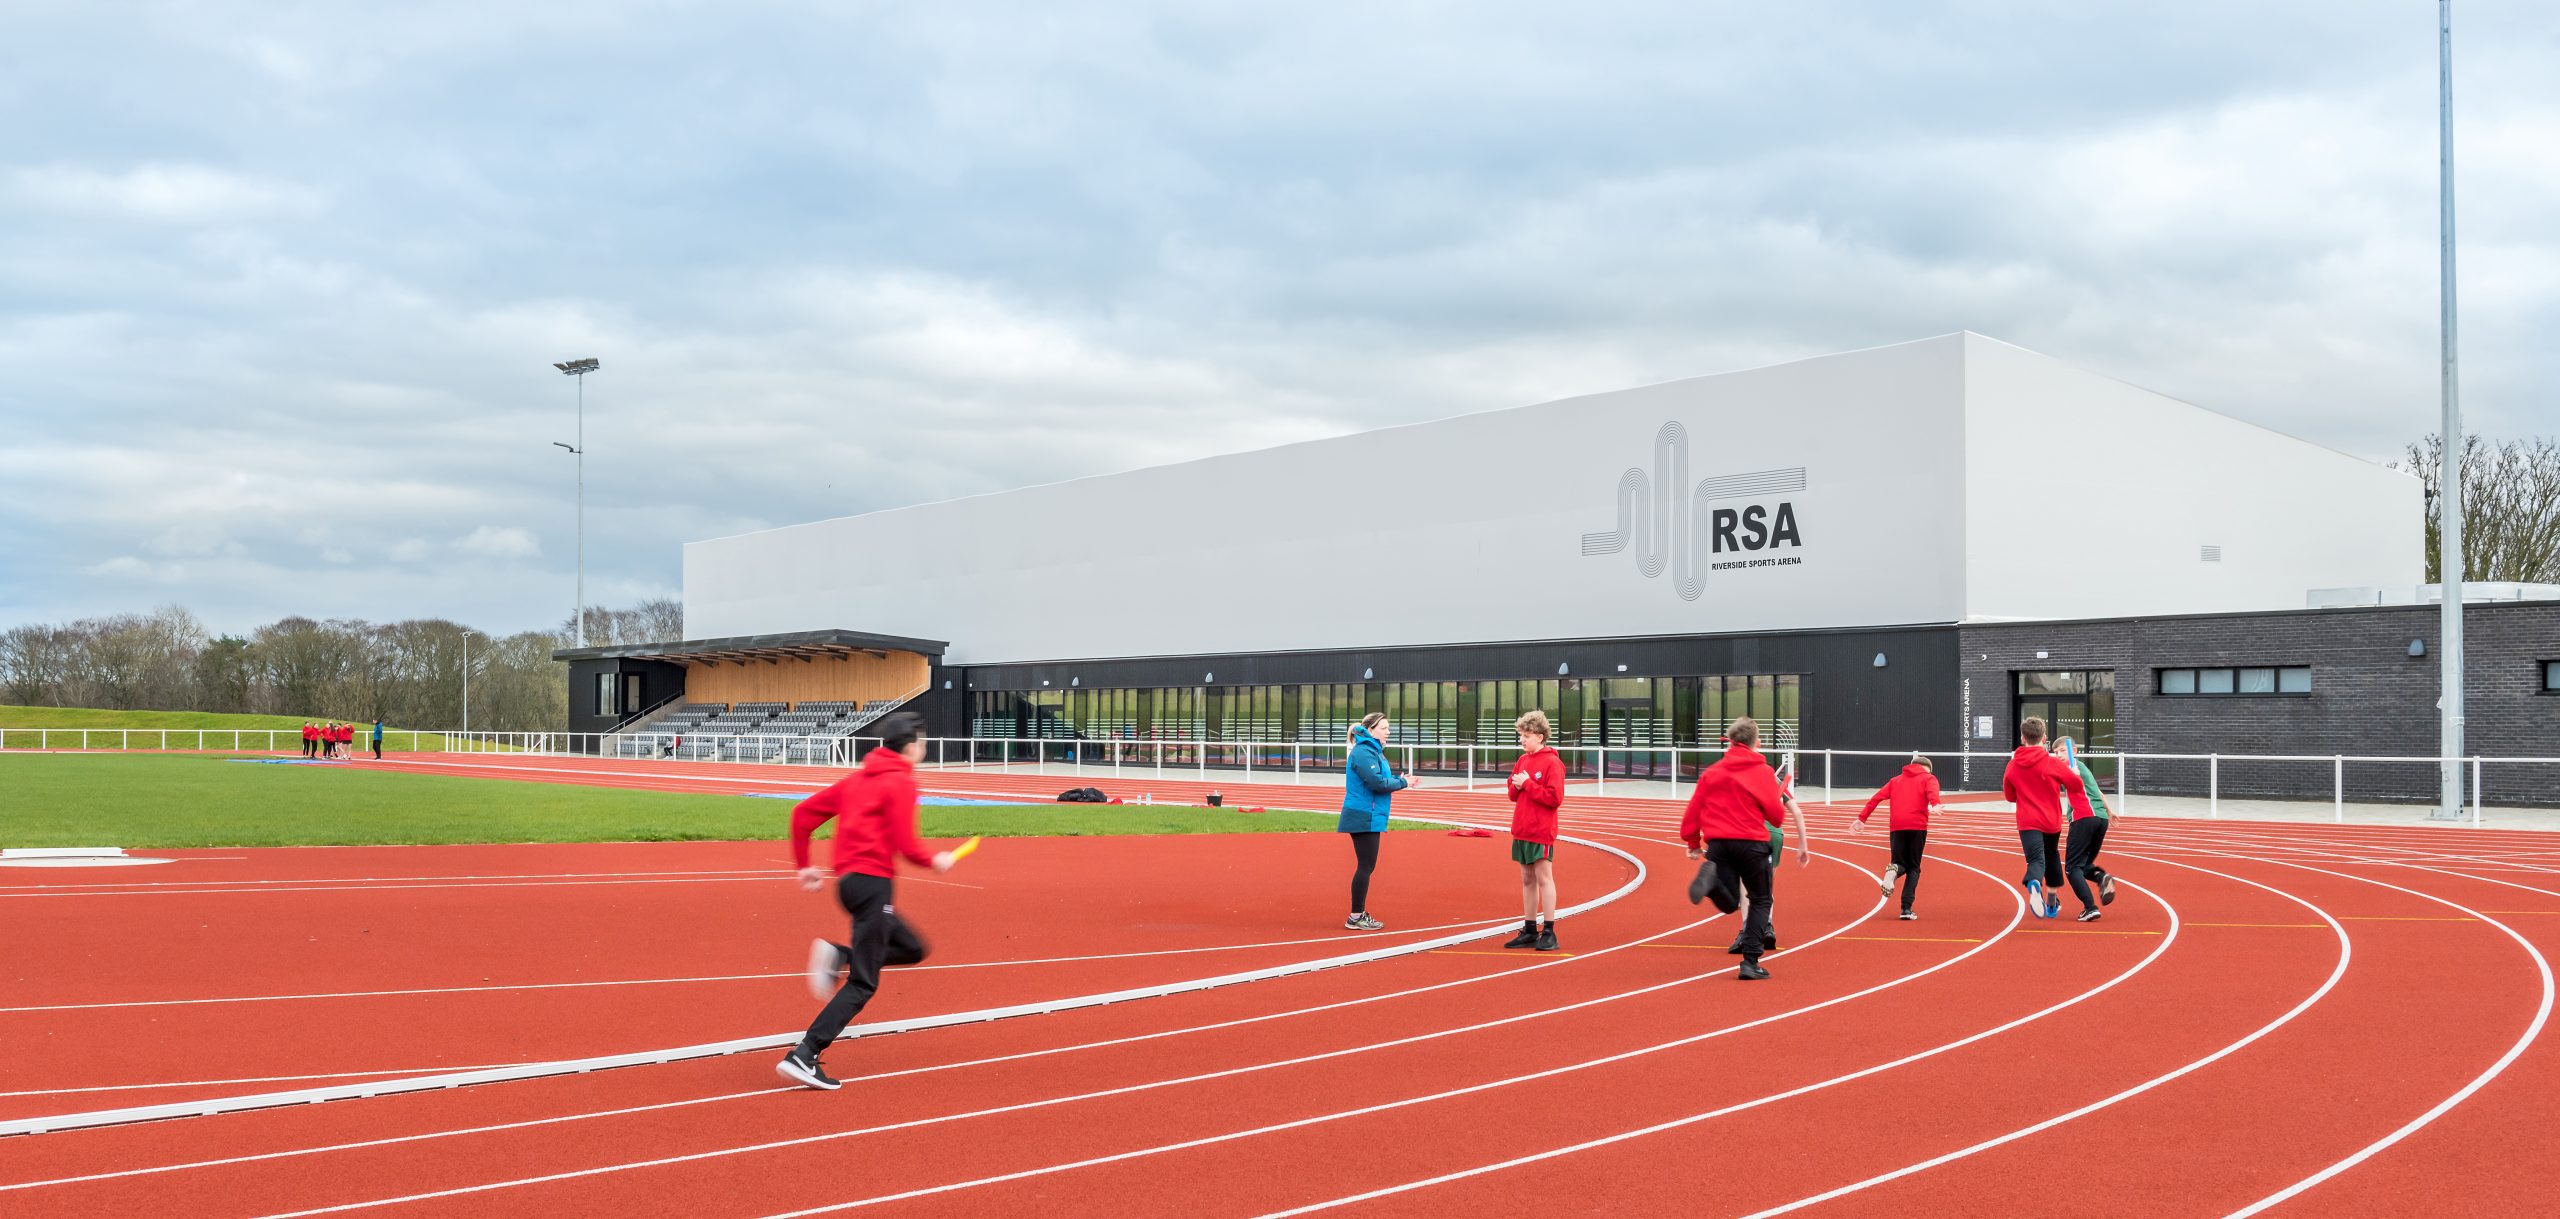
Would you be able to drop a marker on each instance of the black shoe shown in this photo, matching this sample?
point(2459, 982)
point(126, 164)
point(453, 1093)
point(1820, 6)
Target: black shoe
point(1547, 938)
point(1703, 887)
point(801, 1067)
point(1769, 942)
point(2089, 915)
point(1907, 915)
point(2107, 891)
point(1528, 937)
point(1751, 971)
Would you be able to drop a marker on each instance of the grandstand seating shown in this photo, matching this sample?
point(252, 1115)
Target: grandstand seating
point(803, 732)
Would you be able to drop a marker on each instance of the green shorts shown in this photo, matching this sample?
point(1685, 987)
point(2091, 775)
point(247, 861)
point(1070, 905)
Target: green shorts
point(1526, 853)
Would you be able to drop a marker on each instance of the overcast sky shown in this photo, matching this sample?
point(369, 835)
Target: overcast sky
point(281, 284)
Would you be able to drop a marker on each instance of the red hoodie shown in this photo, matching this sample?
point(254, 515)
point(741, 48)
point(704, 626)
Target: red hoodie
point(1736, 798)
point(2035, 781)
point(1912, 793)
point(1537, 788)
point(875, 813)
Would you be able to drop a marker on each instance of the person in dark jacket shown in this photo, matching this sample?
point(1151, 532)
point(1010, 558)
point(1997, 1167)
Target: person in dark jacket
point(1369, 787)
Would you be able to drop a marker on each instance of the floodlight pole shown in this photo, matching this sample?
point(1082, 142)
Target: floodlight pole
point(2449, 566)
point(579, 369)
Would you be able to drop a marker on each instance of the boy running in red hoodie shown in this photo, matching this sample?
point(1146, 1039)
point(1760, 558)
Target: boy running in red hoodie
point(1727, 825)
point(874, 809)
point(1537, 789)
point(2035, 782)
point(1912, 796)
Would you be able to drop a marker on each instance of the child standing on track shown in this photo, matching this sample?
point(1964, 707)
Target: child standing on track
point(1537, 789)
point(2088, 833)
point(875, 814)
point(1912, 796)
point(1727, 825)
point(2035, 783)
point(310, 738)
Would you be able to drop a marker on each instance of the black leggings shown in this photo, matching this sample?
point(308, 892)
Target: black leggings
point(2087, 835)
point(1364, 849)
point(1742, 869)
point(2043, 851)
point(880, 938)
point(1907, 846)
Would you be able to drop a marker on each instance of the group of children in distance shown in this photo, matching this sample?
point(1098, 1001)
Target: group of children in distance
point(334, 740)
point(1735, 825)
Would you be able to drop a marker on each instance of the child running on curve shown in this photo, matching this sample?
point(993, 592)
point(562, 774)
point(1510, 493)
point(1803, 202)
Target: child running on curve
point(1537, 790)
point(2035, 782)
point(1911, 797)
point(1778, 853)
point(2088, 833)
point(1727, 825)
point(874, 809)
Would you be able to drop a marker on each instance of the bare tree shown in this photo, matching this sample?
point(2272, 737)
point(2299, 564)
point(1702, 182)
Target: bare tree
point(2510, 508)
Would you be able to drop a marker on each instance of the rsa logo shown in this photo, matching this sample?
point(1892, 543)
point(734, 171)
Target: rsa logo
point(1671, 523)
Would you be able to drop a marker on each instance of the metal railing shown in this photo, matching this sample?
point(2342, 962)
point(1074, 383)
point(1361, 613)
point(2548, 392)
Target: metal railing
point(1827, 774)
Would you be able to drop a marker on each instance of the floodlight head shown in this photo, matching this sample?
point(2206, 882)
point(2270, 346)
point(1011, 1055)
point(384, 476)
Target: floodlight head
point(576, 368)
point(563, 445)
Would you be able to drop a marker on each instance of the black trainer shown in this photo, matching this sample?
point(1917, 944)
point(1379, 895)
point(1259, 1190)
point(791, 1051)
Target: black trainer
point(2107, 890)
point(1751, 971)
point(1547, 938)
point(1703, 887)
point(2089, 915)
point(1769, 942)
point(1528, 937)
point(801, 1067)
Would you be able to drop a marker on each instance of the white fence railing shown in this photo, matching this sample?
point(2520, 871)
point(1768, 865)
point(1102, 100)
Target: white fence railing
point(1827, 774)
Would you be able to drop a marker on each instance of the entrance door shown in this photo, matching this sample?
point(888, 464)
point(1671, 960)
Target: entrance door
point(2075, 703)
point(1626, 728)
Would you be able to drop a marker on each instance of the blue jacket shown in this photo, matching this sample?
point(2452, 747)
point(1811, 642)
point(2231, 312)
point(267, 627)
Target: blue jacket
point(1368, 787)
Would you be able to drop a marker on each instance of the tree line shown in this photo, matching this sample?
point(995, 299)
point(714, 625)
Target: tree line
point(407, 673)
point(2510, 507)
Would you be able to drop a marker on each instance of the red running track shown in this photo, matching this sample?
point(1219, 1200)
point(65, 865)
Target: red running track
point(2316, 1019)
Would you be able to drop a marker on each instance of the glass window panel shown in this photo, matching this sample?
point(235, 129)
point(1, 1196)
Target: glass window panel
point(2177, 681)
point(2257, 681)
point(2213, 681)
point(2551, 675)
point(2293, 679)
point(2061, 681)
point(1764, 696)
point(1790, 697)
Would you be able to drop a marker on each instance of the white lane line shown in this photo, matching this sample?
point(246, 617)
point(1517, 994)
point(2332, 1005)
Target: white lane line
point(2018, 913)
point(1727, 1110)
point(1018, 1056)
point(579, 1066)
point(517, 986)
point(765, 879)
point(167, 1085)
point(779, 868)
point(2346, 951)
point(2541, 1017)
point(1050, 1102)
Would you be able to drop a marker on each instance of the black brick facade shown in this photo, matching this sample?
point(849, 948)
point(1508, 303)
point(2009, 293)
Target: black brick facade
point(2368, 696)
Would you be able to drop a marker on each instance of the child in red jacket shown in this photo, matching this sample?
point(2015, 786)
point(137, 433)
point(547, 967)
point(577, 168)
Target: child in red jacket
point(1537, 789)
point(1727, 825)
point(875, 814)
point(1912, 795)
point(2036, 782)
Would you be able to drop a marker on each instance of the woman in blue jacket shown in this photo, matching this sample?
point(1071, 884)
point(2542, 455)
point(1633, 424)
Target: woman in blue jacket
point(1368, 787)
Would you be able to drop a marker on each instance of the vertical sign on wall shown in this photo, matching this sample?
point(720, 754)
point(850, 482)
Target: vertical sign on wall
point(1964, 735)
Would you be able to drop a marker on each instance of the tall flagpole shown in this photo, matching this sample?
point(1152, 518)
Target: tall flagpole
point(2449, 463)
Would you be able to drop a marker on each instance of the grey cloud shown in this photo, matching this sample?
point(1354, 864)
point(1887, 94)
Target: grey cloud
point(293, 353)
